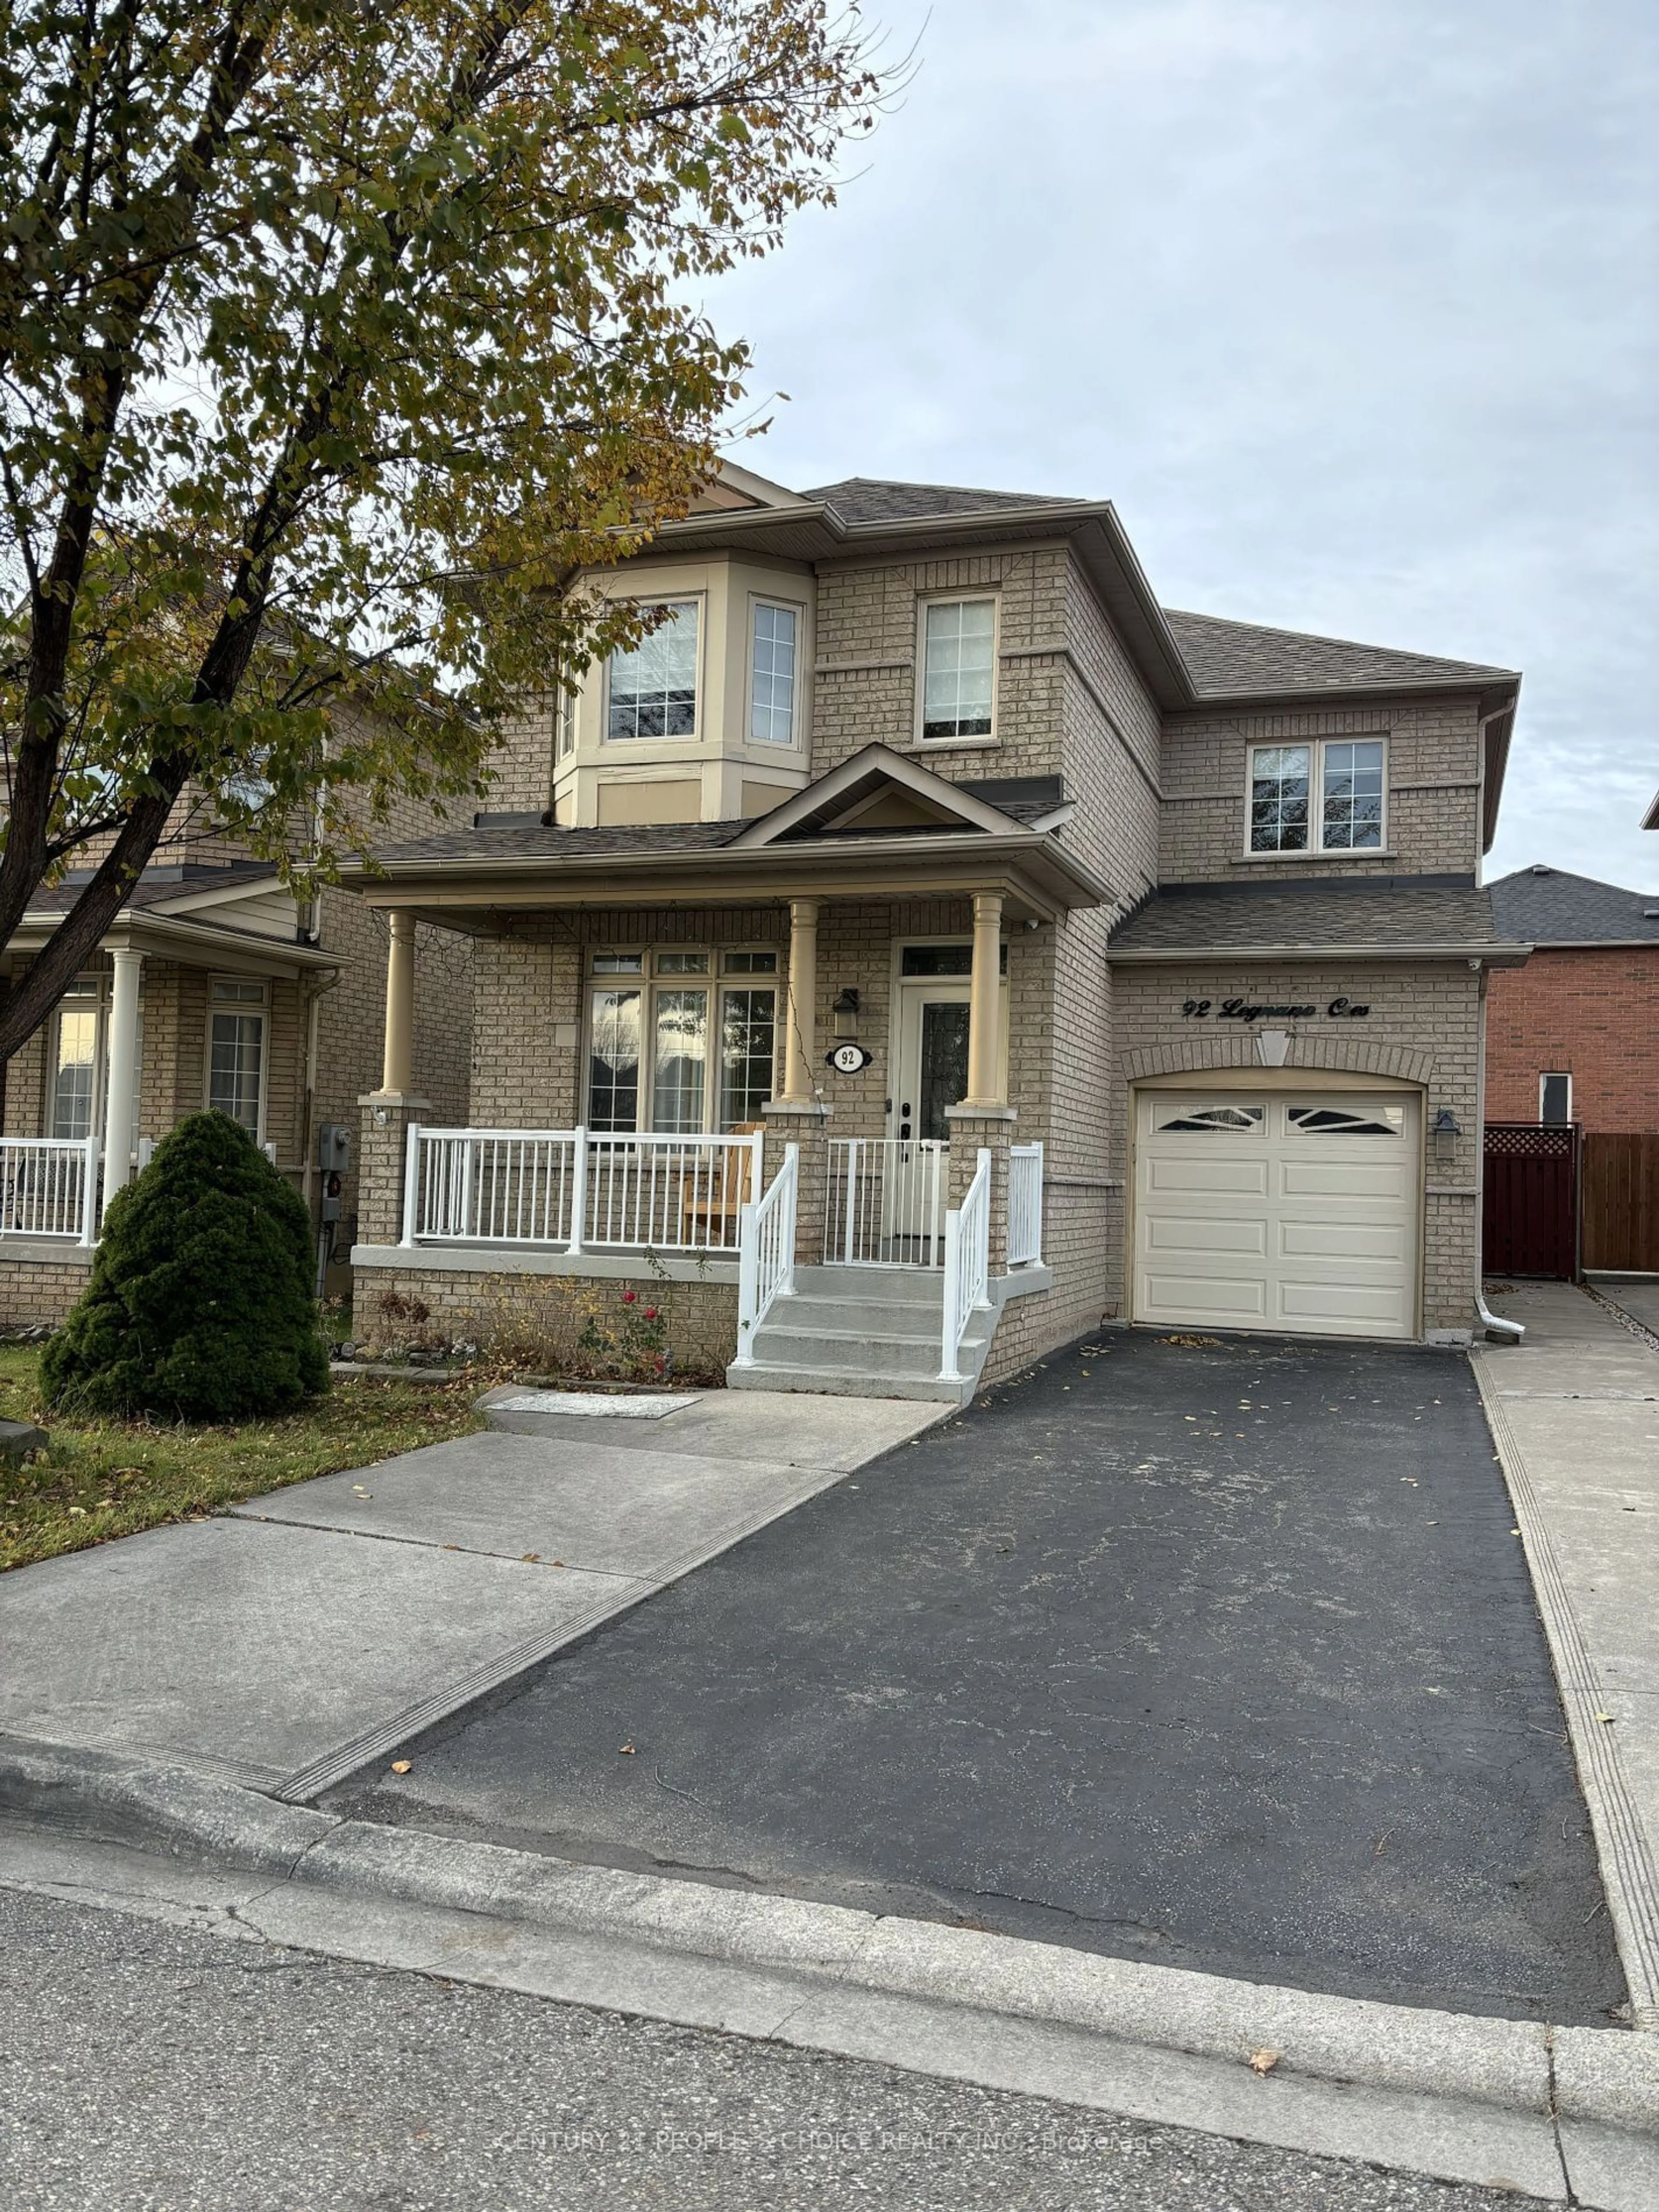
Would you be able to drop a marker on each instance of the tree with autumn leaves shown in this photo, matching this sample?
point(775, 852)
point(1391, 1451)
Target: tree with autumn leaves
point(334, 336)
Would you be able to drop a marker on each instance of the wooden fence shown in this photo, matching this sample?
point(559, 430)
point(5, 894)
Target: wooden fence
point(1620, 1202)
point(1530, 1211)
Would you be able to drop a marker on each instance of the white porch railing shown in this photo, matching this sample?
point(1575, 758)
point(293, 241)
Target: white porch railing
point(966, 1265)
point(885, 1202)
point(765, 1253)
point(1024, 1204)
point(636, 1191)
point(49, 1187)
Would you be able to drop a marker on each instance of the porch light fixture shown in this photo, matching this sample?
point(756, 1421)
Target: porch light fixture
point(846, 1012)
point(1445, 1132)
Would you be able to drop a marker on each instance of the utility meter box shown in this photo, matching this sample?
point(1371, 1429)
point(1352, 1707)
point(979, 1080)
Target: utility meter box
point(334, 1158)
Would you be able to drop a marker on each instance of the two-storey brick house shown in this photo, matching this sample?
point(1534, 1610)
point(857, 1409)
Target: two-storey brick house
point(923, 908)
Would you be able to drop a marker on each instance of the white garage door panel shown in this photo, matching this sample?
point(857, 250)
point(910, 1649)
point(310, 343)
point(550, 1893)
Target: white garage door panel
point(1209, 1297)
point(1183, 1179)
point(1270, 1210)
point(1202, 1232)
point(1343, 1241)
point(1325, 1177)
point(1338, 1308)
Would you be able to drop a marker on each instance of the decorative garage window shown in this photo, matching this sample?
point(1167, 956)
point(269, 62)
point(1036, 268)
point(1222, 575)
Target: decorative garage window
point(1210, 1120)
point(1339, 1121)
point(680, 1050)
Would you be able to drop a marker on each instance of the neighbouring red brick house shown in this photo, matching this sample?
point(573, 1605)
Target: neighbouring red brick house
point(1574, 1034)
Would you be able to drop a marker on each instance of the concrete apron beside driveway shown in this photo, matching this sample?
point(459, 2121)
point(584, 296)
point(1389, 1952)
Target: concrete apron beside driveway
point(1575, 1414)
point(286, 1641)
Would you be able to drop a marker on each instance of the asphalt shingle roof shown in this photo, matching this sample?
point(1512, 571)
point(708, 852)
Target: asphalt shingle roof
point(156, 886)
point(1227, 657)
point(1548, 906)
point(878, 499)
point(1348, 910)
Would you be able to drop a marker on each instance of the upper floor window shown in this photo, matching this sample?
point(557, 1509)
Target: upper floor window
point(958, 662)
point(653, 689)
point(772, 674)
point(1323, 798)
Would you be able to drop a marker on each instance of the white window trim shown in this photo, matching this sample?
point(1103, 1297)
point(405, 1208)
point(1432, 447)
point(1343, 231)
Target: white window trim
point(1557, 1075)
point(770, 747)
point(979, 596)
point(232, 1007)
point(1316, 849)
point(633, 747)
point(647, 979)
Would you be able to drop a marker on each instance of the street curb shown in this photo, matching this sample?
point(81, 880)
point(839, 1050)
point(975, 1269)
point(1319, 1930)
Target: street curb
point(155, 1806)
point(1604, 2077)
point(1630, 1873)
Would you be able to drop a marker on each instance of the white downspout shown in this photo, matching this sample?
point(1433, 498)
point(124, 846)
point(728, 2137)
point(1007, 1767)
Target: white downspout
point(1493, 1324)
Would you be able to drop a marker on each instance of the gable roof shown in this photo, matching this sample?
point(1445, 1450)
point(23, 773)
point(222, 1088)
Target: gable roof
point(1233, 660)
point(833, 802)
point(1550, 906)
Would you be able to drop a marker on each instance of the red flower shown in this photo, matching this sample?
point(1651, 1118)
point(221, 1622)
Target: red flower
point(628, 1297)
point(651, 1313)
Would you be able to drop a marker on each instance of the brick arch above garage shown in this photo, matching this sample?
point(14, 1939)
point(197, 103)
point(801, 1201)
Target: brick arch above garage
point(1346, 1055)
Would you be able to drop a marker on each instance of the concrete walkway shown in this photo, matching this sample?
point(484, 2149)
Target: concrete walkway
point(1575, 1412)
point(282, 1644)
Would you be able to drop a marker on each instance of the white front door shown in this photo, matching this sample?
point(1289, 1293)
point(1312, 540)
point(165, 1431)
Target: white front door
point(1296, 1211)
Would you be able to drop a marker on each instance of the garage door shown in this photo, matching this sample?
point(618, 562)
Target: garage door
point(1292, 1211)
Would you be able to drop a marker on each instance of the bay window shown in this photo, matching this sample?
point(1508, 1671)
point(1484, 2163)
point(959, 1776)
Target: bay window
point(652, 688)
point(774, 630)
point(680, 1042)
point(1322, 797)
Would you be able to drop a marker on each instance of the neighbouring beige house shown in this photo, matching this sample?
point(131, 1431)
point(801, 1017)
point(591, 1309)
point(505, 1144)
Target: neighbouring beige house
point(216, 987)
point(925, 945)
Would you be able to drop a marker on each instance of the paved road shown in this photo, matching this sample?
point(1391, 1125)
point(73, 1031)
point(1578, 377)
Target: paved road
point(152, 2069)
point(1222, 1656)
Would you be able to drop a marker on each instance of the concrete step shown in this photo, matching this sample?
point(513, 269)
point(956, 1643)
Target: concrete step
point(873, 1286)
point(887, 1353)
point(844, 1382)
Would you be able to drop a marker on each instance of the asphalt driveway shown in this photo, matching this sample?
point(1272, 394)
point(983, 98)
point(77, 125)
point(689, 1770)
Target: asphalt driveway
point(1220, 1655)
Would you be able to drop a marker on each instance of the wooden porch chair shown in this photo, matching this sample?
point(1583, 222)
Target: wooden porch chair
point(711, 1208)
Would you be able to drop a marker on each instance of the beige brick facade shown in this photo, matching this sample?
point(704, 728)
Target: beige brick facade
point(1432, 821)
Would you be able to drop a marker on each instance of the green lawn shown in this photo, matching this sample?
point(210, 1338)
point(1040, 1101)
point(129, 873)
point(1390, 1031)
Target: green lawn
point(103, 1479)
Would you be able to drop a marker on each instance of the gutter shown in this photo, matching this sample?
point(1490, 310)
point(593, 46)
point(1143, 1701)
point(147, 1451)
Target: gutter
point(994, 847)
point(1494, 955)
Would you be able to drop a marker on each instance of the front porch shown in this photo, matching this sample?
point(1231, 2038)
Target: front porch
point(662, 1207)
point(728, 1055)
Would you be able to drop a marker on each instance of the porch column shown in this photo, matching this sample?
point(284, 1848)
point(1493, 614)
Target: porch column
point(122, 1091)
point(985, 1005)
point(800, 1004)
point(397, 1067)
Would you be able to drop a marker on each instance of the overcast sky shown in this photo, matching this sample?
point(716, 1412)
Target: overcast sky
point(1353, 310)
